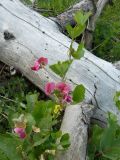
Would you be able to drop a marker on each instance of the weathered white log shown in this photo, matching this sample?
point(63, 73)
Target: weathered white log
point(75, 122)
point(35, 36)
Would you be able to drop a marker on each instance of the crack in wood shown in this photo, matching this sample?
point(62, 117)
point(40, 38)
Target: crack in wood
point(99, 122)
point(95, 86)
point(102, 70)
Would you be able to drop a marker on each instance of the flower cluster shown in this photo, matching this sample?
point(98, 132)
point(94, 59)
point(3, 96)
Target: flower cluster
point(61, 90)
point(40, 63)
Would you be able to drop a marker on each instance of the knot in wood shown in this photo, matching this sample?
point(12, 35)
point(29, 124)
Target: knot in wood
point(8, 35)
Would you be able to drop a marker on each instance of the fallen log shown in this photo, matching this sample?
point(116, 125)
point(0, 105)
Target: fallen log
point(25, 36)
point(77, 126)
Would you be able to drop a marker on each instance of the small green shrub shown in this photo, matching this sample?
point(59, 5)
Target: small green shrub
point(52, 7)
point(104, 143)
point(57, 6)
point(107, 33)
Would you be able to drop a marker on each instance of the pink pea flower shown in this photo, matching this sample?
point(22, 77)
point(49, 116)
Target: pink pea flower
point(67, 98)
point(43, 61)
point(40, 63)
point(36, 66)
point(49, 88)
point(20, 132)
point(64, 88)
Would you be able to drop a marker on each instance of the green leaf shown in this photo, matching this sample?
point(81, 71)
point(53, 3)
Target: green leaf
point(31, 100)
point(31, 156)
point(110, 139)
point(94, 140)
point(79, 53)
point(65, 140)
point(46, 123)
point(42, 114)
point(50, 157)
point(9, 145)
point(79, 93)
point(0, 110)
point(61, 68)
point(109, 133)
point(41, 141)
point(70, 30)
point(30, 122)
point(105, 140)
point(112, 153)
point(117, 99)
point(3, 156)
point(81, 17)
point(76, 31)
point(56, 135)
point(42, 109)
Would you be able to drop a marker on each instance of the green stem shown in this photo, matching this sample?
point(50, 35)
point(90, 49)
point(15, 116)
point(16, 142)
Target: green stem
point(7, 99)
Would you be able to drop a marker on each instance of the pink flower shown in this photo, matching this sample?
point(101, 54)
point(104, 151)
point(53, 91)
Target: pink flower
point(49, 88)
point(20, 132)
point(64, 88)
point(40, 63)
point(36, 66)
point(67, 98)
point(43, 61)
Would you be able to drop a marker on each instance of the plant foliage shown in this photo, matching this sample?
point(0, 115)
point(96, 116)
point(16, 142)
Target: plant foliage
point(107, 33)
